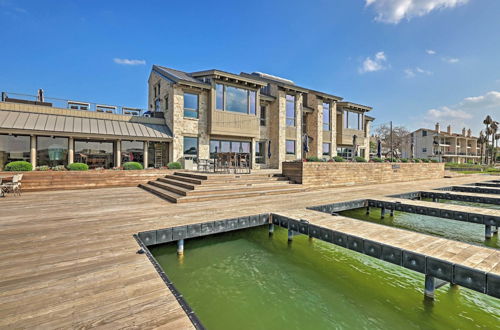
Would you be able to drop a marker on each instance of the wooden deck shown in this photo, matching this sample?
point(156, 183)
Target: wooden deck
point(69, 259)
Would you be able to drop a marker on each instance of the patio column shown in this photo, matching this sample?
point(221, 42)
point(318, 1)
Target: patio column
point(145, 154)
point(71, 151)
point(118, 153)
point(33, 151)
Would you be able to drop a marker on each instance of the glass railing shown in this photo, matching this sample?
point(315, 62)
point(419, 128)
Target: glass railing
point(70, 104)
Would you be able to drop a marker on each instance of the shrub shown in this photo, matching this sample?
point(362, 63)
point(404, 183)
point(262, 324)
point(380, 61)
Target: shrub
point(132, 166)
point(377, 160)
point(416, 160)
point(19, 165)
point(78, 167)
point(313, 159)
point(174, 166)
point(434, 161)
point(358, 159)
point(404, 160)
point(339, 159)
point(425, 160)
point(42, 168)
point(58, 168)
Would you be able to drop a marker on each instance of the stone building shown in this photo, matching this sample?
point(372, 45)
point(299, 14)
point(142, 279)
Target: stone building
point(268, 117)
point(441, 145)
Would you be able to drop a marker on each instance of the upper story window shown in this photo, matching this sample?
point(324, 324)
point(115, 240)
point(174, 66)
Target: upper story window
point(235, 99)
point(290, 110)
point(424, 133)
point(353, 120)
point(290, 147)
point(263, 115)
point(157, 105)
point(327, 126)
point(191, 105)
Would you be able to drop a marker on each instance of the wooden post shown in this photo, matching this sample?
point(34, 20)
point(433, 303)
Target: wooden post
point(367, 210)
point(290, 235)
point(382, 212)
point(180, 247)
point(487, 231)
point(145, 154)
point(392, 213)
point(271, 228)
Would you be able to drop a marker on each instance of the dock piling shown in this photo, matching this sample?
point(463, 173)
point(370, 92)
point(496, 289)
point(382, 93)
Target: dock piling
point(290, 235)
point(382, 212)
point(367, 210)
point(271, 228)
point(180, 247)
point(487, 231)
point(392, 213)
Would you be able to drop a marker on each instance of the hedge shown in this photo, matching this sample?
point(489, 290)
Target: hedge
point(358, 159)
point(377, 160)
point(18, 166)
point(339, 159)
point(132, 166)
point(174, 166)
point(78, 167)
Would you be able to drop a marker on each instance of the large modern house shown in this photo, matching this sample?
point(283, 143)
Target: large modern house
point(443, 146)
point(191, 116)
point(270, 118)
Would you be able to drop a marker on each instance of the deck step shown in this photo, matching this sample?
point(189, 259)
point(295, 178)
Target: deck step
point(168, 195)
point(232, 195)
point(178, 183)
point(184, 179)
point(170, 187)
point(237, 189)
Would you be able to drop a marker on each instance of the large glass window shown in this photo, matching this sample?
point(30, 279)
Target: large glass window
point(260, 152)
point(217, 146)
point(327, 149)
point(235, 99)
point(157, 154)
point(191, 147)
point(344, 152)
point(326, 117)
point(353, 120)
point(290, 110)
point(263, 115)
point(14, 148)
point(290, 147)
point(190, 105)
point(132, 151)
point(51, 151)
point(96, 154)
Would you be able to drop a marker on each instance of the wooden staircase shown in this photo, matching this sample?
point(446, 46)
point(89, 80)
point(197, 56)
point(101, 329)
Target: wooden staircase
point(184, 187)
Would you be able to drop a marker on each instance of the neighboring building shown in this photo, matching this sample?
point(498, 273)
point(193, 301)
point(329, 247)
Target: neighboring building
point(263, 115)
point(57, 132)
point(190, 116)
point(442, 145)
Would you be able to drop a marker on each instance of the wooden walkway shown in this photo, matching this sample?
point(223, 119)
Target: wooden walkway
point(441, 194)
point(69, 258)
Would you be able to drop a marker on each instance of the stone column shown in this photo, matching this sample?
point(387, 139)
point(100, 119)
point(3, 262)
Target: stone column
point(33, 151)
point(71, 151)
point(118, 162)
point(145, 152)
point(252, 153)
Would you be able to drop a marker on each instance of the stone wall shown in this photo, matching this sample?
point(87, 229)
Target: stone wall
point(345, 174)
point(73, 180)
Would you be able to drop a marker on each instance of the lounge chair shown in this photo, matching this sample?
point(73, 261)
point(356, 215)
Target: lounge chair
point(14, 186)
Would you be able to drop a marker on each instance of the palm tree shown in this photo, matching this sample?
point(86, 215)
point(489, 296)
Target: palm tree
point(493, 131)
point(487, 121)
point(481, 140)
point(497, 137)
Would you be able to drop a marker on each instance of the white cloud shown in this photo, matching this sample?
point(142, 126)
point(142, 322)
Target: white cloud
point(451, 60)
point(393, 11)
point(125, 61)
point(430, 52)
point(375, 64)
point(469, 113)
point(411, 73)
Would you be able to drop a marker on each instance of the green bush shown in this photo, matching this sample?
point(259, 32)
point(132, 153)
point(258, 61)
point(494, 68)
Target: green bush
point(314, 159)
point(18, 166)
point(416, 160)
point(339, 159)
point(358, 159)
point(425, 160)
point(404, 160)
point(42, 168)
point(132, 166)
point(78, 167)
point(434, 161)
point(58, 168)
point(174, 166)
point(377, 160)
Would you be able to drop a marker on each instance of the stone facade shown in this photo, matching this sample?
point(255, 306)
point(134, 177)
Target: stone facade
point(168, 86)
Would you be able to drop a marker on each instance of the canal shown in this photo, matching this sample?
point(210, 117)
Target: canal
point(249, 280)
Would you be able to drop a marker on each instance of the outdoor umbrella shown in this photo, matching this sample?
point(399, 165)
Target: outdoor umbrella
point(306, 143)
point(269, 149)
point(379, 149)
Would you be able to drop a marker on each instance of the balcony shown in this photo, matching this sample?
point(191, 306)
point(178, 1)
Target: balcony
point(70, 104)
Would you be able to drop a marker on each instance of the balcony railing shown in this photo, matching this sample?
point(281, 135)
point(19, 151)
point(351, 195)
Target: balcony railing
point(71, 104)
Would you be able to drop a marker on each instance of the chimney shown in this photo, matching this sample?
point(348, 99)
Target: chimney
point(469, 132)
point(448, 129)
point(464, 131)
point(437, 127)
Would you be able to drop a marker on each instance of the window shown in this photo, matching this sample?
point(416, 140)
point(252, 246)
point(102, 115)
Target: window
point(353, 120)
point(217, 146)
point(157, 154)
point(424, 149)
point(157, 105)
point(191, 147)
point(190, 105)
point(344, 152)
point(260, 152)
point(95, 154)
point(326, 117)
point(166, 104)
point(132, 151)
point(290, 110)
point(12, 148)
point(51, 151)
point(290, 147)
point(263, 116)
point(326, 149)
point(235, 99)
point(424, 133)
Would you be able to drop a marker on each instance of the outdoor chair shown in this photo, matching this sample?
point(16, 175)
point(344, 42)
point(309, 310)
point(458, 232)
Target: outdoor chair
point(14, 186)
point(3, 188)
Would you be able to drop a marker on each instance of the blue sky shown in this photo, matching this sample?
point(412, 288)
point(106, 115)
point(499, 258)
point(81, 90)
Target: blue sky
point(415, 62)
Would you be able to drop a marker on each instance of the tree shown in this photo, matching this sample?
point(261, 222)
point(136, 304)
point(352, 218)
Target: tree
point(398, 136)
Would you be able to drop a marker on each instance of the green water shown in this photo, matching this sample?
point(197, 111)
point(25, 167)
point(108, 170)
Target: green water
point(484, 205)
point(249, 280)
point(452, 229)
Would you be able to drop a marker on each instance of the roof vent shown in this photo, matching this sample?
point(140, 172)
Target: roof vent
point(271, 77)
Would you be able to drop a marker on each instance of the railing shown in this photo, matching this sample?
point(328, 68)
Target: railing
point(70, 104)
